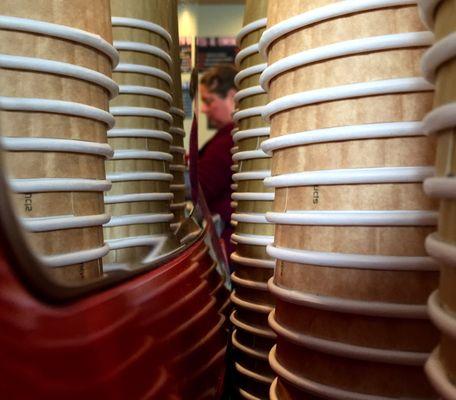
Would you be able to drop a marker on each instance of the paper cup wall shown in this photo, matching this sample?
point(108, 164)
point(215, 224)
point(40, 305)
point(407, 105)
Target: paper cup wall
point(56, 82)
point(438, 65)
point(178, 165)
point(140, 198)
point(346, 100)
point(252, 266)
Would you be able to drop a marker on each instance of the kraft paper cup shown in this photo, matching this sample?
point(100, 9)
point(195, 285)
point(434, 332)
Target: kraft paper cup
point(443, 358)
point(350, 327)
point(254, 19)
point(327, 375)
point(53, 102)
point(155, 12)
point(252, 322)
point(251, 289)
point(252, 360)
point(438, 67)
point(250, 341)
point(253, 274)
point(281, 389)
point(251, 143)
point(249, 322)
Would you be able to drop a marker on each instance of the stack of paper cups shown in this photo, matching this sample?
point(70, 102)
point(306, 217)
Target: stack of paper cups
point(178, 165)
point(349, 158)
point(139, 200)
point(252, 338)
point(55, 85)
point(438, 65)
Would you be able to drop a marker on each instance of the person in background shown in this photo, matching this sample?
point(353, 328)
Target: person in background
point(217, 91)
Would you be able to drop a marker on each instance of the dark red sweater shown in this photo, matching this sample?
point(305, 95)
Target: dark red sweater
point(214, 174)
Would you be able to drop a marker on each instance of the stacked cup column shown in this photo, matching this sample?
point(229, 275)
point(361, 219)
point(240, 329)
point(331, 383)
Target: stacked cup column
point(349, 157)
point(55, 85)
point(140, 197)
point(438, 66)
point(252, 338)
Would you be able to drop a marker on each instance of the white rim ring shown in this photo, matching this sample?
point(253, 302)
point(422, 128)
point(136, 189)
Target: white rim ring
point(139, 176)
point(144, 70)
point(60, 222)
point(445, 322)
point(146, 91)
point(251, 218)
point(177, 111)
point(248, 72)
point(254, 240)
point(344, 133)
point(358, 307)
point(440, 187)
point(437, 376)
point(142, 24)
point(345, 92)
point(124, 111)
point(56, 107)
point(353, 261)
point(355, 218)
point(78, 257)
point(440, 118)
point(248, 92)
point(59, 68)
point(251, 175)
point(55, 145)
point(37, 185)
point(315, 387)
point(249, 155)
point(260, 308)
point(347, 350)
point(131, 154)
point(143, 48)
point(249, 28)
point(250, 133)
point(253, 196)
point(139, 133)
point(345, 48)
point(441, 251)
point(351, 176)
point(441, 52)
point(246, 52)
point(427, 10)
point(320, 14)
point(177, 131)
point(248, 112)
point(137, 197)
point(267, 333)
point(252, 375)
point(62, 32)
point(252, 262)
point(247, 350)
point(249, 284)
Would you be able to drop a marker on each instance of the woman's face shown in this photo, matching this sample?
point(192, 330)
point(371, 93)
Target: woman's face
point(218, 110)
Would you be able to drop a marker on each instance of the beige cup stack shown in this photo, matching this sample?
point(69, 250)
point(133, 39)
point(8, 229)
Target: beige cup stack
point(140, 198)
point(56, 59)
point(349, 157)
point(178, 165)
point(438, 65)
point(252, 339)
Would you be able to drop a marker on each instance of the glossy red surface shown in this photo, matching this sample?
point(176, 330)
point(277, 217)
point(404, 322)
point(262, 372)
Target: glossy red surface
point(156, 336)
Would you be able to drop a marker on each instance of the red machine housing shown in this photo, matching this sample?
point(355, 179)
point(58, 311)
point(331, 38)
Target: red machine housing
point(159, 335)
